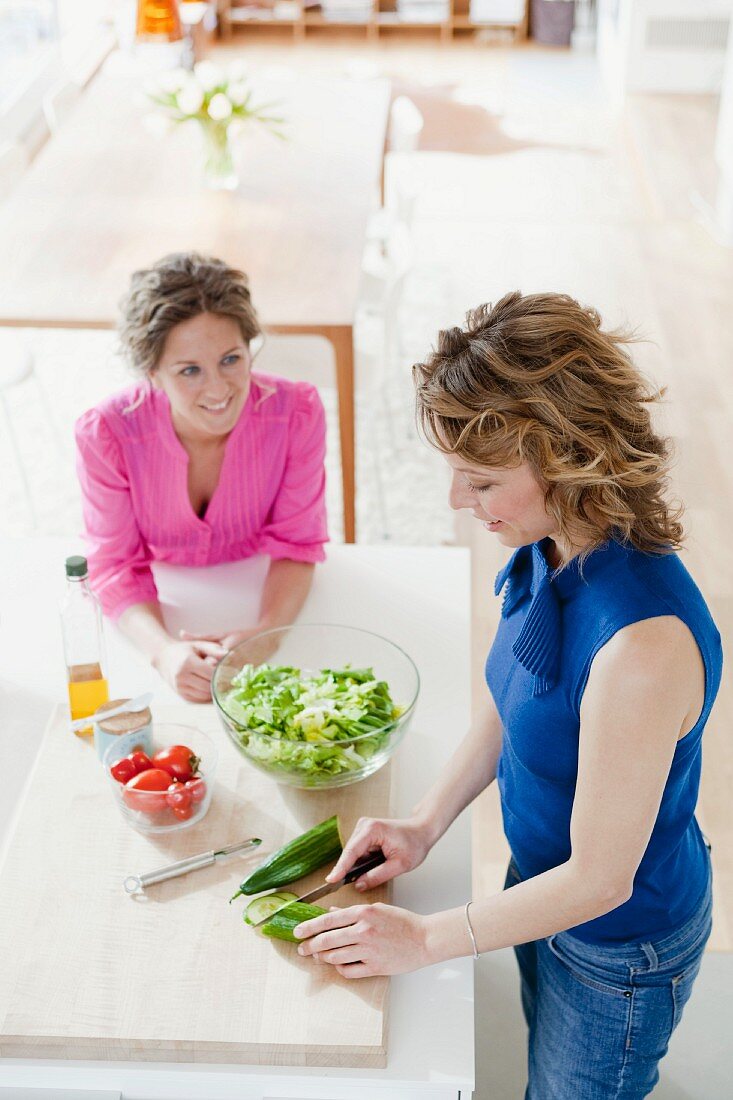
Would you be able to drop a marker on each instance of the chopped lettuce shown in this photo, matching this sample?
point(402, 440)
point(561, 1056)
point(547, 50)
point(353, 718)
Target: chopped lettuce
point(290, 719)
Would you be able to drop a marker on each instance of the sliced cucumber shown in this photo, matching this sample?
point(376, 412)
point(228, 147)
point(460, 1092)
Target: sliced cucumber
point(264, 906)
point(321, 844)
point(281, 923)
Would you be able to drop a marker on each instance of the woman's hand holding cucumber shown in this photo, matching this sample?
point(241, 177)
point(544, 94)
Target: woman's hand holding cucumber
point(365, 940)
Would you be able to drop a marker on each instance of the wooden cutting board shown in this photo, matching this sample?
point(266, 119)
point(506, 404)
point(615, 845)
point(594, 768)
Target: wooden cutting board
point(174, 975)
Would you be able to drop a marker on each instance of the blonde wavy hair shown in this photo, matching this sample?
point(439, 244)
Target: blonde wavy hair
point(535, 379)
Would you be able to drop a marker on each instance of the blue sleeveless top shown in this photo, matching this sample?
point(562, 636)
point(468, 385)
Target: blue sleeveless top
point(550, 630)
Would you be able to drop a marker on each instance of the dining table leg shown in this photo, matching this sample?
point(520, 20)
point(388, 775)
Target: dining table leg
point(342, 339)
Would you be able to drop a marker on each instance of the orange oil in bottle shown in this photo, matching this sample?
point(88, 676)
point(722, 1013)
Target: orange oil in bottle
point(88, 690)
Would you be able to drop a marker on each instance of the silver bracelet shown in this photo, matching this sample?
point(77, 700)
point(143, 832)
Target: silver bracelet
point(470, 932)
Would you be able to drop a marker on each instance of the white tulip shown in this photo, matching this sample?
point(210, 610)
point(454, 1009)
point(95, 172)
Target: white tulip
point(220, 107)
point(173, 80)
point(190, 98)
point(238, 92)
point(209, 75)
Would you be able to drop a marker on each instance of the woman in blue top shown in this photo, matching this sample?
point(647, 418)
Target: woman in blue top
point(601, 678)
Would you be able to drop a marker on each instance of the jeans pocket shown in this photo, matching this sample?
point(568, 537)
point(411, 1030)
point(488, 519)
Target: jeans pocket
point(605, 980)
point(681, 989)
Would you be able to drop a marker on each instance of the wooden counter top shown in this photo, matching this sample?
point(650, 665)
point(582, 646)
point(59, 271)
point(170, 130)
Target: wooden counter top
point(172, 975)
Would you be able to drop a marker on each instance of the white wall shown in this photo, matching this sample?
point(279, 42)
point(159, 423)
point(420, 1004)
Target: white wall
point(724, 153)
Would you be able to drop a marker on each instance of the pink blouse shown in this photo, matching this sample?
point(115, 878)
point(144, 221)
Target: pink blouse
point(133, 472)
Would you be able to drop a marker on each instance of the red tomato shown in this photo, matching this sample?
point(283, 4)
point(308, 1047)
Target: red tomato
point(147, 791)
point(123, 770)
point(183, 812)
point(177, 797)
point(197, 787)
point(178, 761)
point(140, 761)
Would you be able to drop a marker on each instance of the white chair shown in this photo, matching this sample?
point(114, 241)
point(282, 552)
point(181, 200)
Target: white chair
point(13, 163)
point(17, 366)
point(401, 200)
point(406, 123)
point(378, 343)
point(384, 271)
point(58, 104)
point(405, 126)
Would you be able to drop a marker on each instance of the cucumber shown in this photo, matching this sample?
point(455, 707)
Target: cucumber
point(265, 905)
point(321, 844)
point(281, 924)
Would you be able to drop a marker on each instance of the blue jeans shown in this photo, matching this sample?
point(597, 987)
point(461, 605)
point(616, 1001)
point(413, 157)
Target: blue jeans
point(600, 1016)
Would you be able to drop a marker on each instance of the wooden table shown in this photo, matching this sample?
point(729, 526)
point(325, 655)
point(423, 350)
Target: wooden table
point(418, 598)
point(105, 197)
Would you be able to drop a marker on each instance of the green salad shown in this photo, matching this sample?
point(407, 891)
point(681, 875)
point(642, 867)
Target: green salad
point(292, 719)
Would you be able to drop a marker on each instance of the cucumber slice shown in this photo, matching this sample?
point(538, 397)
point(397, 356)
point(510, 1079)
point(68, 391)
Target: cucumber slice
point(320, 845)
point(281, 923)
point(266, 905)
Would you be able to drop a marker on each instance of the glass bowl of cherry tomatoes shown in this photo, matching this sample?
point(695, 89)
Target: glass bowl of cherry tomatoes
point(169, 788)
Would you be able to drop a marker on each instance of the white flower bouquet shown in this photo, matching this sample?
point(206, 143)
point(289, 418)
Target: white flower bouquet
point(220, 101)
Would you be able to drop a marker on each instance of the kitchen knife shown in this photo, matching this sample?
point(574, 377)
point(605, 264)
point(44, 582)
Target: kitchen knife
point(366, 863)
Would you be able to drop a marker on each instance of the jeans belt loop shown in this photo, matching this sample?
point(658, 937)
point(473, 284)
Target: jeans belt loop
point(651, 955)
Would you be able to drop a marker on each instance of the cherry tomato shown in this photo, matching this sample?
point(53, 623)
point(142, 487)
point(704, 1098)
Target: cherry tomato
point(178, 761)
point(140, 761)
point(177, 797)
point(147, 791)
point(197, 787)
point(183, 812)
point(123, 770)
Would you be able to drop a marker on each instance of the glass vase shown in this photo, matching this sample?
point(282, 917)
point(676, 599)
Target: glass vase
point(220, 173)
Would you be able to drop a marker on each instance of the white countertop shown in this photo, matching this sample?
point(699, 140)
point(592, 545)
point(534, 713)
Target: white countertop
point(419, 598)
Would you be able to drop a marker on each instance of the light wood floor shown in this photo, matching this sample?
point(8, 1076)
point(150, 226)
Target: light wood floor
point(531, 180)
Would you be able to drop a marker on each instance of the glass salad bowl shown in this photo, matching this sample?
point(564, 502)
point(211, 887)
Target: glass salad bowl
point(316, 704)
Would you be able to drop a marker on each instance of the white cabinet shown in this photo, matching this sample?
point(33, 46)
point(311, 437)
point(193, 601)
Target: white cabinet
point(663, 45)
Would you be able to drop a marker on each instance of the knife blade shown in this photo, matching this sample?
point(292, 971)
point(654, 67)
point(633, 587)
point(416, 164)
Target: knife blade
point(366, 863)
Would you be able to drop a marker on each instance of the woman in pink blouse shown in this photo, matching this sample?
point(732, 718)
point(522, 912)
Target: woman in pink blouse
point(201, 461)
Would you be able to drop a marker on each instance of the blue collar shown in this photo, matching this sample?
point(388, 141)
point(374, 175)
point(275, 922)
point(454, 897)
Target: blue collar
point(538, 645)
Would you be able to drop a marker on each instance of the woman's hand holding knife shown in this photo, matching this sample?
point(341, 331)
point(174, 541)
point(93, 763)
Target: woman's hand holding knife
point(405, 845)
point(364, 940)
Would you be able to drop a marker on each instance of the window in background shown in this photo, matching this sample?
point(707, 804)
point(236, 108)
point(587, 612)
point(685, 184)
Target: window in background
point(39, 36)
point(28, 37)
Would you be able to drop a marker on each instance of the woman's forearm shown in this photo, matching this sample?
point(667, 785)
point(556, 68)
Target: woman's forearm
point(143, 624)
point(551, 902)
point(471, 768)
point(286, 586)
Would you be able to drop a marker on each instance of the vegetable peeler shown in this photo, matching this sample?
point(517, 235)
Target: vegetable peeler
point(135, 883)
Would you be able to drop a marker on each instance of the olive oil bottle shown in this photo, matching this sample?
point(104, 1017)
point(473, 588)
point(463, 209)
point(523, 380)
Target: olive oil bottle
point(81, 627)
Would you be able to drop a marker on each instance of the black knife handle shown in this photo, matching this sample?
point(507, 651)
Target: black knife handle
point(366, 863)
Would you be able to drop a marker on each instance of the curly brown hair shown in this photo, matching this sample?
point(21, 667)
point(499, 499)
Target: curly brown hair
point(535, 378)
point(180, 286)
